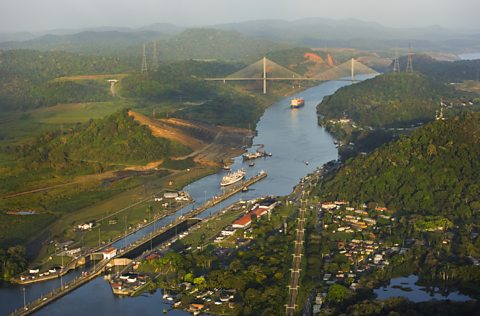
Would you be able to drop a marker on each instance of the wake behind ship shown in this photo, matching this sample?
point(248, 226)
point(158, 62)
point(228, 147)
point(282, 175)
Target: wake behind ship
point(233, 177)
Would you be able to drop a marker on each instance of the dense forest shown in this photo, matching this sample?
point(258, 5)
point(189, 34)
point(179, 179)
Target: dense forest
point(395, 99)
point(176, 80)
point(27, 78)
point(114, 139)
point(12, 262)
point(444, 71)
point(199, 43)
point(435, 171)
point(88, 147)
point(209, 102)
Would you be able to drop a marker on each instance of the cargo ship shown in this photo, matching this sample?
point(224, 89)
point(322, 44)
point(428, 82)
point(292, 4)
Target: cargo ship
point(233, 177)
point(297, 102)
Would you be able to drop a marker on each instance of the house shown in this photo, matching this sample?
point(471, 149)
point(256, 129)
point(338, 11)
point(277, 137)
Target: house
point(152, 256)
point(109, 253)
point(86, 226)
point(196, 307)
point(73, 252)
point(329, 205)
point(170, 195)
point(228, 231)
point(242, 222)
point(259, 211)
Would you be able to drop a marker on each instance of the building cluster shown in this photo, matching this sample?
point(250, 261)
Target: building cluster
point(180, 196)
point(127, 283)
point(354, 230)
point(244, 222)
point(86, 226)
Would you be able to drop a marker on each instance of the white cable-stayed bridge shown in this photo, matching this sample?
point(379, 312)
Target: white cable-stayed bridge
point(266, 70)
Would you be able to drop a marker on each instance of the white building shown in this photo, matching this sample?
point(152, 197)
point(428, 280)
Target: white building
point(109, 253)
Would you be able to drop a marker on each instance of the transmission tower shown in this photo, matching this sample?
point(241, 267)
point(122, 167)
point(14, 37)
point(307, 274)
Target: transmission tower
point(396, 63)
point(409, 59)
point(154, 57)
point(144, 61)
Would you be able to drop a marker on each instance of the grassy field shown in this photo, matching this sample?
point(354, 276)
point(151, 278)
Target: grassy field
point(99, 78)
point(77, 112)
point(470, 86)
point(116, 200)
point(16, 128)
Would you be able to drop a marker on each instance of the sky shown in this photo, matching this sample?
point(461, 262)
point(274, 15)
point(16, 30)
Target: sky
point(42, 15)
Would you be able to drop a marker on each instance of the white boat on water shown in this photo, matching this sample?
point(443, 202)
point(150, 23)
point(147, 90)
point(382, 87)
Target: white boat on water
point(233, 177)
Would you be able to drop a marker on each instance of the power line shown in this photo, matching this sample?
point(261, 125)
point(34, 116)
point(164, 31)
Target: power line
point(154, 57)
point(409, 59)
point(396, 63)
point(144, 61)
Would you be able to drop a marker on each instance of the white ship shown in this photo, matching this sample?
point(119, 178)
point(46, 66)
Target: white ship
point(233, 177)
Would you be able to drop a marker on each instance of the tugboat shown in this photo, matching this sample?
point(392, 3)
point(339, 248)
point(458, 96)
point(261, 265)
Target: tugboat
point(233, 177)
point(297, 102)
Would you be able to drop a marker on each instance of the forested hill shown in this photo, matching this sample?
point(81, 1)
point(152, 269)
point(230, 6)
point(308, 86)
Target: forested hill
point(114, 139)
point(389, 99)
point(435, 171)
point(444, 71)
point(26, 78)
point(196, 43)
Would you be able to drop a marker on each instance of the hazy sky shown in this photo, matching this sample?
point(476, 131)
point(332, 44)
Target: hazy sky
point(39, 15)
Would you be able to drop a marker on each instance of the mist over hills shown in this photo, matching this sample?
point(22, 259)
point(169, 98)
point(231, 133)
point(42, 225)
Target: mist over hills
point(222, 40)
point(190, 44)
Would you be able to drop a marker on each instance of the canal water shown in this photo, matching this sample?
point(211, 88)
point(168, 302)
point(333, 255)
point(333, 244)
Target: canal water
point(469, 56)
point(407, 287)
point(298, 146)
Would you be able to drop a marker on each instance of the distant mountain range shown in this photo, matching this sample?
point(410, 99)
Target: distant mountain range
point(196, 43)
point(179, 42)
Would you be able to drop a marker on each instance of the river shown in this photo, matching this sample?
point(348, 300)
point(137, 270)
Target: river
point(292, 136)
point(469, 56)
point(407, 287)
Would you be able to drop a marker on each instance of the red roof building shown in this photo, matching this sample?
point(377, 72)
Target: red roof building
point(246, 219)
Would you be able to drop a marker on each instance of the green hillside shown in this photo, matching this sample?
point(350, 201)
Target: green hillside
point(114, 139)
point(198, 43)
point(444, 71)
point(394, 99)
point(435, 171)
point(26, 78)
point(87, 148)
point(208, 102)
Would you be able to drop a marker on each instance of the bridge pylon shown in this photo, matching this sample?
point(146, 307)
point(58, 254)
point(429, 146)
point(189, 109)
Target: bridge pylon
point(264, 75)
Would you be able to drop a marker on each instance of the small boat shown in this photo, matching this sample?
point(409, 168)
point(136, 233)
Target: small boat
point(244, 189)
point(306, 162)
point(251, 164)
